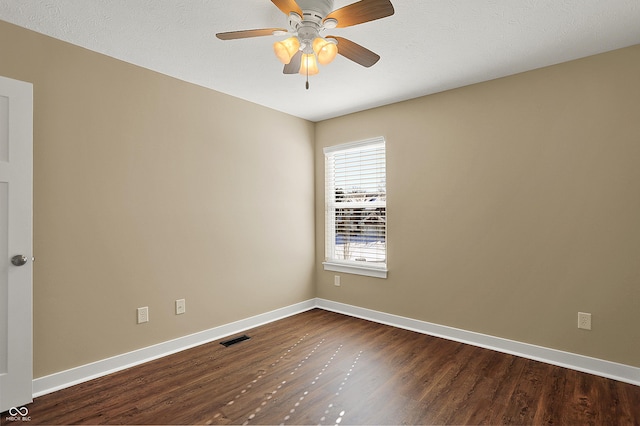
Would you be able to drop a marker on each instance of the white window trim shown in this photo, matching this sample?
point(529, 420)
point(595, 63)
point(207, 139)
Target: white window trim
point(369, 269)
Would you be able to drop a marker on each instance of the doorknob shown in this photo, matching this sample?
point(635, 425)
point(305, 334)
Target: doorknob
point(19, 260)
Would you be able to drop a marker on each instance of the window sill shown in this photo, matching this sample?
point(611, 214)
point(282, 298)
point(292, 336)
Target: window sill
point(368, 271)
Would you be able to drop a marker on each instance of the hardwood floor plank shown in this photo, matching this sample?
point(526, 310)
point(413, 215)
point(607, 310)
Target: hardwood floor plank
point(549, 401)
point(320, 367)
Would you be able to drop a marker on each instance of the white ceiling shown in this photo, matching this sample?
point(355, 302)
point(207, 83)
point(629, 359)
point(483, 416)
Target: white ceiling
point(427, 46)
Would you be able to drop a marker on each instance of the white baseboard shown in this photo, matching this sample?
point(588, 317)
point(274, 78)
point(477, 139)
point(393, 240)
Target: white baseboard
point(83, 373)
point(599, 367)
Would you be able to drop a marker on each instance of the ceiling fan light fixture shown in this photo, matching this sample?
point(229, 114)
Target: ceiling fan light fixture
point(308, 64)
point(285, 49)
point(325, 50)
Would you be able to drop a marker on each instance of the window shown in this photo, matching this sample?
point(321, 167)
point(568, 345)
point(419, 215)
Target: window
point(356, 208)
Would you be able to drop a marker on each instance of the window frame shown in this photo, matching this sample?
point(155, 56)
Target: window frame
point(376, 270)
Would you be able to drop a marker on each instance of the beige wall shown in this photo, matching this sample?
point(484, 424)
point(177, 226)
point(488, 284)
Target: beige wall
point(148, 189)
point(512, 205)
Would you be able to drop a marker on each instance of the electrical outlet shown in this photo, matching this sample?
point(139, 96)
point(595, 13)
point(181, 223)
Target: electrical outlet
point(181, 307)
point(143, 315)
point(584, 320)
point(336, 280)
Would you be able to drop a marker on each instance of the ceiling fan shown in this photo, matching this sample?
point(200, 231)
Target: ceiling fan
point(305, 47)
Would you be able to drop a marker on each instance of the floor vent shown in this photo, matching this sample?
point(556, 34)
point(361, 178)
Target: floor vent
point(235, 340)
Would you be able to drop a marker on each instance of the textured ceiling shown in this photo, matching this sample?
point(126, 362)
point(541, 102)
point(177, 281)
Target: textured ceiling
point(427, 46)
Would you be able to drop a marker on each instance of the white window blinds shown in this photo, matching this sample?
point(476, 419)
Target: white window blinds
point(356, 208)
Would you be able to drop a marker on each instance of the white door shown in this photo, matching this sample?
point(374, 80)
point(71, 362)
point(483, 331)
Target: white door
point(16, 269)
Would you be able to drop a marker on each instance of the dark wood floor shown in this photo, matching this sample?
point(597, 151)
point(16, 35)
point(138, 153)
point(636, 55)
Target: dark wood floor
point(324, 368)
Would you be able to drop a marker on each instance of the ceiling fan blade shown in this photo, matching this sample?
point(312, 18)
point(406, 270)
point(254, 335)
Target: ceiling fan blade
point(288, 6)
point(362, 11)
point(355, 52)
point(233, 35)
point(293, 67)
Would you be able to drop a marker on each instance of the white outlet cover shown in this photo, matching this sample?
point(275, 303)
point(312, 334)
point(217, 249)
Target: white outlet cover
point(143, 314)
point(584, 320)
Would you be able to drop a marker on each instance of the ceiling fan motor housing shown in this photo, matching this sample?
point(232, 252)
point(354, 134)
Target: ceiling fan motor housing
point(315, 10)
point(309, 27)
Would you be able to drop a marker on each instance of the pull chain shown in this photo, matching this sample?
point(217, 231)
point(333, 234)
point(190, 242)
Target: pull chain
point(307, 84)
